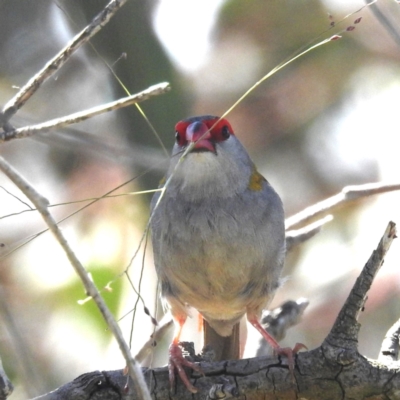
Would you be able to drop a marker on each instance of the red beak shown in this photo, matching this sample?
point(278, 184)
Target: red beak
point(199, 133)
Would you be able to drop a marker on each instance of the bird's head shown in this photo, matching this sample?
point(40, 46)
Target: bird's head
point(217, 162)
point(206, 132)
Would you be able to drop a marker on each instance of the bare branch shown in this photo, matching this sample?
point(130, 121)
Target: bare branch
point(80, 116)
point(41, 205)
point(298, 236)
point(390, 345)
point(155, 337)
point(347, 195)
point(56, 62)
point(384, 21)
point(344, 333)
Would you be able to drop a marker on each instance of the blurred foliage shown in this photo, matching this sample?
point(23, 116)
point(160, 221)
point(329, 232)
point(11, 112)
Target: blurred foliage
point(323, 122)
point(72, 293)
point(131, 32)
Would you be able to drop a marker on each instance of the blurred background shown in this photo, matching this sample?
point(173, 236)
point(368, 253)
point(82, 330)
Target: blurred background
point(328, 120)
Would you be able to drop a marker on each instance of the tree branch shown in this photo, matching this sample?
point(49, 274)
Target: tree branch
point(58, 61)
point(83, 115)
point(41, 205)
point(347, 195)
point(295, 237)
point(158, 334)
point(344, 332)
point(384, 21)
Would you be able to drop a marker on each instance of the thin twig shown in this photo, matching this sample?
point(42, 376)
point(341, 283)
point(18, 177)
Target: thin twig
point(80, 116)
point(297, 236)
point(384, 21)
point(58, 60)
point(348, 194)
point(158, 334)
point(41, 204)
point(75, 212)
point(390, 345)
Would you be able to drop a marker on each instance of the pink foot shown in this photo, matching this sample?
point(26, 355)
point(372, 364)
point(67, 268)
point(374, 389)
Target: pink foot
point(281, 351)
point(289, 354)
point(176, 362)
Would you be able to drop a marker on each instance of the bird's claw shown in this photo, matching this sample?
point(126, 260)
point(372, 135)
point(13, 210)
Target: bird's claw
point(289, 354)
point(176, 362)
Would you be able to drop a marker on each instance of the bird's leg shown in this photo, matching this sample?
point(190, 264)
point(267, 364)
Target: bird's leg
point(282, 351)
point(177, 361)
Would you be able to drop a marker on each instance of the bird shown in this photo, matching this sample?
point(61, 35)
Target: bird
point(218, 238)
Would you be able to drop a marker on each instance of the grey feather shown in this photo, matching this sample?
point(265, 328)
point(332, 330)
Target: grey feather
point(218, 241)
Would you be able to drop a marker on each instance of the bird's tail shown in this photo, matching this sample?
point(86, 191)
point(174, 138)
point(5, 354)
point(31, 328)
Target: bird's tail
point(225, 347)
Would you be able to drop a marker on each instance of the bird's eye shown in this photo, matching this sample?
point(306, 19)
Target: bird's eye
point(225, 132)
point(180, 138)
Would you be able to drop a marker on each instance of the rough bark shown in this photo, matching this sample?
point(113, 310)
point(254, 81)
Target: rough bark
point(324, 373)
